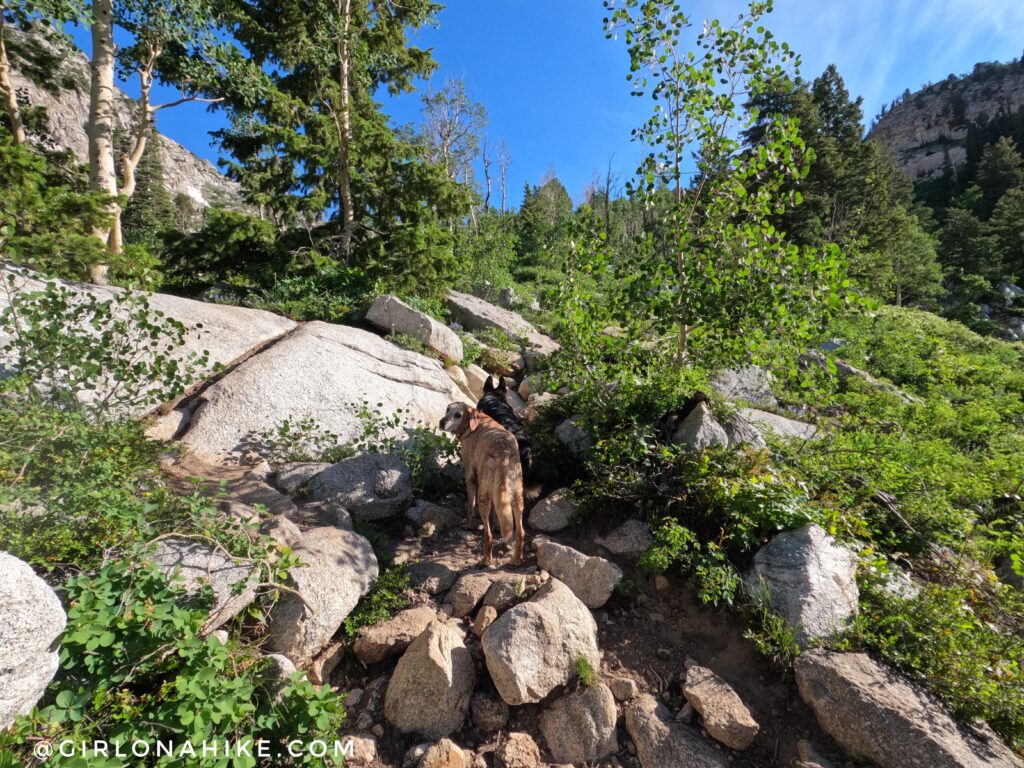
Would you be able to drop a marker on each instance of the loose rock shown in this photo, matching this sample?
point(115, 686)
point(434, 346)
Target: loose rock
point(446, 754)
point(289, 478)
point(533, 647)
point(517, 750)
point(389, 313)
point(700, 430)
point(376, 643)
point(623, 688)
point(430, 690)
point(554, 512)
point(592, 579)
point(580, 727)
point(339, 567)
point(370, 486)
point(575, 438)
point(31, 623)
point(779, 425)
point(811, 581)
point(631, 539)
point(484, 618)
point(752, 383)
point(432, 576)
point(490, 713)
point(661, 742)
point(726, 718)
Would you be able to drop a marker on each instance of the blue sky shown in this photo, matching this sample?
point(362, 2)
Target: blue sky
point(555, 88)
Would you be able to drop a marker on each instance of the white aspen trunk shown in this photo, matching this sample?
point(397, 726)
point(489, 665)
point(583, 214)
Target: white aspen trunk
point(140, 137)
point(7, 89)
point(345, 131)
point(102, 174)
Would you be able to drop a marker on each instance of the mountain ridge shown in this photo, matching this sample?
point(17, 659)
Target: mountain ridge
point(54, 75)
point(924, 128)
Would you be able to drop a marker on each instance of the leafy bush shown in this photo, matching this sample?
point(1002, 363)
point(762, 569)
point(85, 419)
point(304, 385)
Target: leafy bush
point(421, 446)
point(138, 669)
point(303, 440)
point(388, 597)
point(80, 496)
point(109, 356)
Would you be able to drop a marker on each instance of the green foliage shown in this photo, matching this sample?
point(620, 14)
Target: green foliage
point(945, 459)
point(285, 145)
point(543, 223)
point(71, 488)
point(488, 253)
point(472, 350)
point(389, 596)
point(421, 446)
point(715, 277)
point(772, 635)
point(585, 672)
point(231, 248)
point(136, 667)
point(303, 440)
point(150, 213)
point(82, 497)
point(107, 356)
point(46, 216)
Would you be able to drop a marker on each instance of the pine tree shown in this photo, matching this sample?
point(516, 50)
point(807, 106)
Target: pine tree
point(150, 212)
point(316, 150)
point(999, 171)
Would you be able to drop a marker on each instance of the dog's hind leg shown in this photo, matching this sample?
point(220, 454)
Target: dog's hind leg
point(471, 495)
point(483, 501)
point(516, 481)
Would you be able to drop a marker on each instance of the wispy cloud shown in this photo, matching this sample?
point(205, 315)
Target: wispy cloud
point(884, 46)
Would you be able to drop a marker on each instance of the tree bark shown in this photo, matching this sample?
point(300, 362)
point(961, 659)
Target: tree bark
point(487, 177)
point(504, 161)
point(7, 89)
point(348, 221)
point(102, 173)
point(140, 137)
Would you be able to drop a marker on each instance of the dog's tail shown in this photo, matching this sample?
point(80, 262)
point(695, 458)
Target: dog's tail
point(540, 480)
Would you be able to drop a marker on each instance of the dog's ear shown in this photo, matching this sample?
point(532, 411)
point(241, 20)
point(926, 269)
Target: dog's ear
point(474, 418)
point(488, 385)
point(501, 385)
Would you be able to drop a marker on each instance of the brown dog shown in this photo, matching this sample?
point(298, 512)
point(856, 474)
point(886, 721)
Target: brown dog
point(494, 477)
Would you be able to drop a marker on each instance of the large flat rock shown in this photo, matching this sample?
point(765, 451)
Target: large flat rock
point(324, 372)
point(227, 333)
point(475, 314)
point(876, 714)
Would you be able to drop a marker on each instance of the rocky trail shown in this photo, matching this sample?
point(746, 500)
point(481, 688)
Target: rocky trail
point(576, 657)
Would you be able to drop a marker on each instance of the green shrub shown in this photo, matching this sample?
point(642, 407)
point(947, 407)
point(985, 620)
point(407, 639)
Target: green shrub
point(81, 494)
point(109, 357)
point(388, 597)
point(585, 673)
point(137, 668)
point(303, 440)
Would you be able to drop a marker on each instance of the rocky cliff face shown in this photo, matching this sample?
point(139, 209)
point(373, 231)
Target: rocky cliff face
point(55, 76)
point(931, 124)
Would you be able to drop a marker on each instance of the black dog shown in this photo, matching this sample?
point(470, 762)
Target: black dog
point(494, 404)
